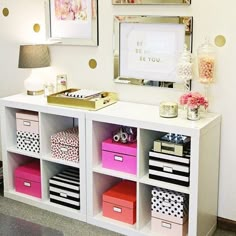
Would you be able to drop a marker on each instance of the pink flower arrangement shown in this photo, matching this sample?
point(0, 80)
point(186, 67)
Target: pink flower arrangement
point(193, 100)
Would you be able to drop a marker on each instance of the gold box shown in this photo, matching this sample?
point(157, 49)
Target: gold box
point(173, 144)
point(169, 148)
point(91, 103)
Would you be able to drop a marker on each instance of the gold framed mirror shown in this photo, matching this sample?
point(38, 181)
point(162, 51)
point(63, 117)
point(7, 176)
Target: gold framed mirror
point(149, 2)
point(146, 49)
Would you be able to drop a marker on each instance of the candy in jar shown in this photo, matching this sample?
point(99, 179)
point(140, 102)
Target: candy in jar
point(206, 63)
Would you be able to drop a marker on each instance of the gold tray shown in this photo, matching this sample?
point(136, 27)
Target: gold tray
point(106, 99)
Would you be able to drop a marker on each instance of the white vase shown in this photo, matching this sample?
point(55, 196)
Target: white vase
point(193, 113)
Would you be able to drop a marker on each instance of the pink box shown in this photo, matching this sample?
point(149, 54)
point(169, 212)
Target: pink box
point(119, 202)
point(169, 217)
point(119, 156)
point(27, 179)
point(168, 228)
point(27, 122)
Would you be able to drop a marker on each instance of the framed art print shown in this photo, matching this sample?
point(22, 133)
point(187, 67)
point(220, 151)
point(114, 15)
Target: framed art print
point(72, 22)
point(147, 48)
point(150, 50)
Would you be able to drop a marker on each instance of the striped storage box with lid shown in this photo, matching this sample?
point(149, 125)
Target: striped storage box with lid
point(64, 188)
point(169, 168)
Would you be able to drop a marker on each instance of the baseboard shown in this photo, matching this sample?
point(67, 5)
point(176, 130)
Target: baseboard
point(226, 224)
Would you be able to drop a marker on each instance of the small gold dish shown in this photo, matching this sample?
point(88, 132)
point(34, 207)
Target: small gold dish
point(91, 103)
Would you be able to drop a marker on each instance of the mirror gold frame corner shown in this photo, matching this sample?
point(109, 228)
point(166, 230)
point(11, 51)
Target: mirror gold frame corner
point(151, 2)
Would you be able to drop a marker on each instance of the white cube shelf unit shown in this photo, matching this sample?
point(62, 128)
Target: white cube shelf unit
point(52, 119)
point(204, 164)
point(94, 128)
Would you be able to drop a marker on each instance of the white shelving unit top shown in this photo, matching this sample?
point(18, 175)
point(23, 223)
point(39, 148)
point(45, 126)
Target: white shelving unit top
point(142, 115)
point(147, 116)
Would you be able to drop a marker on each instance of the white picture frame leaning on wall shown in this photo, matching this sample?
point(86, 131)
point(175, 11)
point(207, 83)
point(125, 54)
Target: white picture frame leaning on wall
point(72, 22)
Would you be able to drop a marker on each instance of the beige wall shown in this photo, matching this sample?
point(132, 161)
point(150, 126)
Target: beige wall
point(210, 19)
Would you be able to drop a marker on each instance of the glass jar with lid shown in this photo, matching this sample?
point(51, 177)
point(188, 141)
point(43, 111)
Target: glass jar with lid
point(206, 62)
point(184, 66)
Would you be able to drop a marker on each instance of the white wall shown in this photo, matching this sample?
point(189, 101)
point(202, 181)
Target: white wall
point(210, 19)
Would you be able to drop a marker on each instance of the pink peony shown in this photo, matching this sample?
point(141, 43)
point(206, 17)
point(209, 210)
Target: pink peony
point(193, 100)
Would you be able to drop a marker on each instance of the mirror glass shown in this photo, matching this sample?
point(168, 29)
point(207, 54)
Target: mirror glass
point(140, 2)
point(147, 49)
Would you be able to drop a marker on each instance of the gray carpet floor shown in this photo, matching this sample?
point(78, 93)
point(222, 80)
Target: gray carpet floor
point(15, 226)
point(19, 219)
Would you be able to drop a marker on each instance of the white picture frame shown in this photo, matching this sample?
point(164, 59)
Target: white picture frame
point(72, 22)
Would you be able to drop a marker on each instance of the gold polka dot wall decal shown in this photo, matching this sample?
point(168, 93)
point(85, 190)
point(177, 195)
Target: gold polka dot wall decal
point(5, 11)
point(92, 63)
point(220, 40)
point(36, 28)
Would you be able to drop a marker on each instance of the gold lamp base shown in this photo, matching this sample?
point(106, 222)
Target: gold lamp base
point(33, 93)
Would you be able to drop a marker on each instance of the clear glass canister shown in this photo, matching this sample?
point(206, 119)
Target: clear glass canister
point(48, 89)
point(206, 62)
point(184, 66)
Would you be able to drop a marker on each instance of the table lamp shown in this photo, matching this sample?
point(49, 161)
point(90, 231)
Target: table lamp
point(34, 56)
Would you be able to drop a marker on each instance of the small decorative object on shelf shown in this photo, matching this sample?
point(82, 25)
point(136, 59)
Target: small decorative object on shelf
point(125, 134)
point(61, 83)
point(173, 144)
point(168, 109)
point(185, 68)
point(48, 89)
point(193, 101)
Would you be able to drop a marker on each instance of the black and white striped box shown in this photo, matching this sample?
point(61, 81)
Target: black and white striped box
point(168, 168)
point(64, 188)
